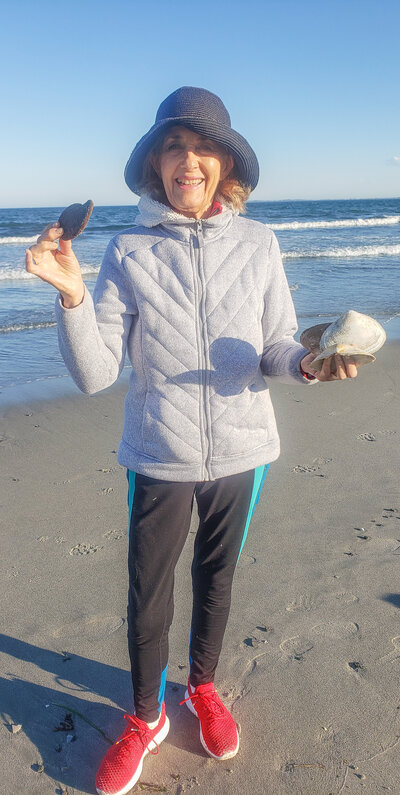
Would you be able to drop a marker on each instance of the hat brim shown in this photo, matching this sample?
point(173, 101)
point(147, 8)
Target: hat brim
point(244, 156)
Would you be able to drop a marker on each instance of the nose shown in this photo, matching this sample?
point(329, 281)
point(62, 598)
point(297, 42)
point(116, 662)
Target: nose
point(189, 158)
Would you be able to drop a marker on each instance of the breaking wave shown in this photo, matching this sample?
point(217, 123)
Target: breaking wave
point(348, 251)
point(6, 240)
point(25, 327)
point(390, 220)
point(8, 272)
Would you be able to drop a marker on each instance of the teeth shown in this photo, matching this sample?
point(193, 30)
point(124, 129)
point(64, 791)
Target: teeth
point(189, 181)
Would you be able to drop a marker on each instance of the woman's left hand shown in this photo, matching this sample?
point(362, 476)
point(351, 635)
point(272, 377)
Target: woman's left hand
point(334, 368)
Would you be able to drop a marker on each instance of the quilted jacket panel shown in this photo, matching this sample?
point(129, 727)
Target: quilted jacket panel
point(204, 312)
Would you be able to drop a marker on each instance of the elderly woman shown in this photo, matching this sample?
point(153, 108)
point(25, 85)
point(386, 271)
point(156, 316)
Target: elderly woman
point(197, 296)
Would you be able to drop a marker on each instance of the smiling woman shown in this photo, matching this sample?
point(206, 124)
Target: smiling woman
point(197, 296)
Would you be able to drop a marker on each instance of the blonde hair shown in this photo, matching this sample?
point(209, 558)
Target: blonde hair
point(231, 191)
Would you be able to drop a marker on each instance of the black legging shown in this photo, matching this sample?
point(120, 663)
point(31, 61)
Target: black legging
point(160, 518)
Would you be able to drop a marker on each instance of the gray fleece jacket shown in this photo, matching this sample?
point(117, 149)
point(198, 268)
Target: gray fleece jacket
point(204, 312)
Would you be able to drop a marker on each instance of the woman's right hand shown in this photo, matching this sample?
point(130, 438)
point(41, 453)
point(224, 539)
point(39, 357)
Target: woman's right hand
point(54, 261)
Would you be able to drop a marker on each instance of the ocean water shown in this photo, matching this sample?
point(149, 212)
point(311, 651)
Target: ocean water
point(338, 255)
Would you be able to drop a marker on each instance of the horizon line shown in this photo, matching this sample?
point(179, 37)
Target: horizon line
point(250, 201)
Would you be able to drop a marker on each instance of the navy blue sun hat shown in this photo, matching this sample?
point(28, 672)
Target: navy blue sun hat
point(204, 113)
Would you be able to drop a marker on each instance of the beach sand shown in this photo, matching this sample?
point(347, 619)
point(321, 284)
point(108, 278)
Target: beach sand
point(311, 660)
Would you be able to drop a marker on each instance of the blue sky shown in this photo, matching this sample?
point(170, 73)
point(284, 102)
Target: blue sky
point(313, 86)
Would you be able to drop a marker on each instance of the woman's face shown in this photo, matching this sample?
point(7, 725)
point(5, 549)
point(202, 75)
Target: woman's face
point(191, 166)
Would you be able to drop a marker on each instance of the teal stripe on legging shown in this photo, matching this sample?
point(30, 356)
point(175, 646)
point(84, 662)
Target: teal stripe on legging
point(131, 491)
point(260, 474)
point(161, 692)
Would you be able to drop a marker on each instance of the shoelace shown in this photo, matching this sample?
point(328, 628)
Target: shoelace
point(207, 700)
point(140, 728)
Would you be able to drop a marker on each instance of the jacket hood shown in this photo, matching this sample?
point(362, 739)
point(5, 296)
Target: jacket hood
point(151, 213)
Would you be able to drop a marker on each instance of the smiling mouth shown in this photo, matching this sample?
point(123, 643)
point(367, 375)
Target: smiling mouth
point(193, 182)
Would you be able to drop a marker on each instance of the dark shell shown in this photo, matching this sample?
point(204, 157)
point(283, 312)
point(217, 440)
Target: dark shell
point(74, 219)
point(310, 337)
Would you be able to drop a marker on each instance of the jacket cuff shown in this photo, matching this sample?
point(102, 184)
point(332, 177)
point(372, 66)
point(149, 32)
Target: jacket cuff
point(305, 375)
point(59, 301)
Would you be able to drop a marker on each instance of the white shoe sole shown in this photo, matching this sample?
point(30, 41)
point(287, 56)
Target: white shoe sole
point(155, 741)
point(229, 754)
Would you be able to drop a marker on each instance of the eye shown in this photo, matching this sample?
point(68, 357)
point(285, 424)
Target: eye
point(211, 148)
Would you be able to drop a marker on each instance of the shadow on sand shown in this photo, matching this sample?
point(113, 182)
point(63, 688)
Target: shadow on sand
point(392, 598)
point(71, 756)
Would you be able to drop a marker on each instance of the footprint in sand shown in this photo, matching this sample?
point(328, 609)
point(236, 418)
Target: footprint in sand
point(114, 535)
point(327, 734)
point(296, 648)
point(83, 549)
point(304, 602)
point(366, 437)
point(346, 597)
point(303, 468)
point(91, 627)
point(394, 655)
point(335, 630)
point(310, 470)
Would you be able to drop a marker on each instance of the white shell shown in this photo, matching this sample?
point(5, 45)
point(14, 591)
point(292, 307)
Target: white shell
point(352, 334)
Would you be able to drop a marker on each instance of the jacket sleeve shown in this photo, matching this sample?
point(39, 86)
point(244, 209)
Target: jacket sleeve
point(93, 335)
point(281, 353)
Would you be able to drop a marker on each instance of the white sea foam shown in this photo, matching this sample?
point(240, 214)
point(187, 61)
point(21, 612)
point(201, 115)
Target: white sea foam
point(25, 327)
point(348, 251)
point(9, 272)
point(339, 224)
point(6, 240)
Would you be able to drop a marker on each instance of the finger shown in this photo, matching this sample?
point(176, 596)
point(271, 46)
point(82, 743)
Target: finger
point(50, 226)
point(50, 233)
point(351, 368)
point(30, 264)
point(40, 248)
point(325, 372)
point(65, 246)
point(340, 368)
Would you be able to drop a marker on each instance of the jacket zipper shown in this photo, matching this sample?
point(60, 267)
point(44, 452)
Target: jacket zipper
point(204, 363)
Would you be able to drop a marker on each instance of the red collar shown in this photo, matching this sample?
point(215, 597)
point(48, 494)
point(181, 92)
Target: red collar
point(216, 209)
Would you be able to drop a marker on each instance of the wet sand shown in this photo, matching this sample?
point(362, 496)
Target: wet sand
point(311, 661)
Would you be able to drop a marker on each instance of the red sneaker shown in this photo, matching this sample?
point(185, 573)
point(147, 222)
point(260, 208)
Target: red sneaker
point(218, 731)
point(122, 765)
